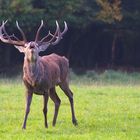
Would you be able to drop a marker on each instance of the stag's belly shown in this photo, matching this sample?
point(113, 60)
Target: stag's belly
point(40, 88)
point(40, 93)
point(43, 88)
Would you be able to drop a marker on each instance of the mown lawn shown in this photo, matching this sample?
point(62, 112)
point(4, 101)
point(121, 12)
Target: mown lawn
point(104, 111)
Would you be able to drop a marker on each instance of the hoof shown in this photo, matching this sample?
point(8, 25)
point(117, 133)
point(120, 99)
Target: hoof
point(75, 122)
point(23, 128)
point(53, 124)
point(46, 125)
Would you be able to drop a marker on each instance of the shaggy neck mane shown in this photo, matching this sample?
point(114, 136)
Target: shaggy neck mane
point(31, 72)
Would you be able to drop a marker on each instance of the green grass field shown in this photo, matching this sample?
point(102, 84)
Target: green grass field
point(107, 108)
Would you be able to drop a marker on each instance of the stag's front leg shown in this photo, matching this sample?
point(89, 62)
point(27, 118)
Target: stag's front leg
point(28, 103)
point(45, 97)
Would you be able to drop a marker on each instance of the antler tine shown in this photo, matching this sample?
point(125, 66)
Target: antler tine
point(55, 34)
point(1, 34)
point(15, 37)
point(21, 31)
point(45, 37)
point(4, 22)
point(58, 38)
point(3, 29)
point(38, 31)
point(65, 29)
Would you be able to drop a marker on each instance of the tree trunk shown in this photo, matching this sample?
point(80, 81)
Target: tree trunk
point(113, 50)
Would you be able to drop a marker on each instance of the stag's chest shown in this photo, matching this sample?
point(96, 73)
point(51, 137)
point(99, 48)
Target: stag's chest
point(40, 79)
point(36, 83)
point(39, 88)
point(39, 85)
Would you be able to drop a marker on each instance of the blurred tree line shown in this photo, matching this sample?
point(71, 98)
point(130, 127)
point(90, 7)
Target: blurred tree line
point(102, 33)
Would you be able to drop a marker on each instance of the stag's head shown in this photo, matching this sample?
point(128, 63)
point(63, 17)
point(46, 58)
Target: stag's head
point(31, 49)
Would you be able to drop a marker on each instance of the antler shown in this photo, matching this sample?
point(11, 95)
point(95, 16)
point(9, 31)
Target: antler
point(52, 39)
point(55, 38)
point(4, 37)
point(38, 31)
point(21, 31)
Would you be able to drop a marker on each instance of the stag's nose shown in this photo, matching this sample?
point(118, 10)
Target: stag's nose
point(31, 47)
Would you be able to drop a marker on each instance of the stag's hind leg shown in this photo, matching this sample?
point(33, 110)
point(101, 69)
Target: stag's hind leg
point(45, 97)
point(65, 87)
point(57, 101)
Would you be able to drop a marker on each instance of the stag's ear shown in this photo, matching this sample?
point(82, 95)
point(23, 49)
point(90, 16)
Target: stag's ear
point(20, 48)
point(43, 47)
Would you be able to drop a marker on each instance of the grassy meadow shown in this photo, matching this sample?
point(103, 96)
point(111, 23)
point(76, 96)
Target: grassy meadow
point(107, 107)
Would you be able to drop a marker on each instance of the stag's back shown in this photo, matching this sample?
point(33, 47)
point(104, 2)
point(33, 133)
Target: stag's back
point(58, 66)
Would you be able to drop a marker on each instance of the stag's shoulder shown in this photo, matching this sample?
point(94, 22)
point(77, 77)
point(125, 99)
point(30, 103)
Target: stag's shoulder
point(55, 58)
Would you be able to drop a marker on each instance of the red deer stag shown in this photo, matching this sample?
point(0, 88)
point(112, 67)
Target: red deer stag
point(42, 74)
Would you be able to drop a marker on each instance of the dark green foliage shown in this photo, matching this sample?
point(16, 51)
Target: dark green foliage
point(101, 32)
